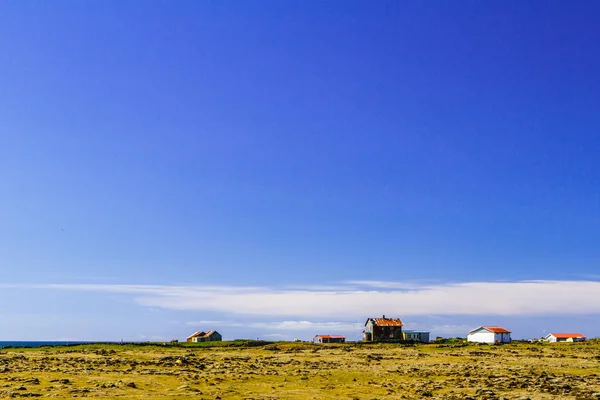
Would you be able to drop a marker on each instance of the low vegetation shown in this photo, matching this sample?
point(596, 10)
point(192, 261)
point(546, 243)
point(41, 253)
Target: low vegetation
point(259, 370)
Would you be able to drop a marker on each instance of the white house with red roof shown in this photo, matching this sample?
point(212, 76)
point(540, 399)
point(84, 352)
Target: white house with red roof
point(564, 337)
point(329, 339)
point(489, 334)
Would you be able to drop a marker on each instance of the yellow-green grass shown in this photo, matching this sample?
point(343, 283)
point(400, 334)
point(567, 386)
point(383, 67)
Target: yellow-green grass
point(242, 370)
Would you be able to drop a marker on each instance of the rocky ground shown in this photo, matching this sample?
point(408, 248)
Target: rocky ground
point(305, 371)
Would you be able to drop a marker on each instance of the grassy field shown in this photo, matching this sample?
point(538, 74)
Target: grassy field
point(304, 371)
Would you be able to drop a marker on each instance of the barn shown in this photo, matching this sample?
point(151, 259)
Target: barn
point(210, 336)
point(564, 337)
point(195, 335)
point(329, 339)
point(489, 334)
point(383, 329)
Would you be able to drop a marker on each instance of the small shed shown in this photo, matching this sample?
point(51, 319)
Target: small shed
point(489, 334)
point(210, 336)
point(416, 336)
point(329, 339)
point(564, 337)
point(383, 329)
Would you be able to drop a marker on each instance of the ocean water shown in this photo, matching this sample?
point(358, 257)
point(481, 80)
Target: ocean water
point(37, 344)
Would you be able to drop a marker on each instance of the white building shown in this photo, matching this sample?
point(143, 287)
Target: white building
point(489, 334)
point(564, 337)
point(329, 339)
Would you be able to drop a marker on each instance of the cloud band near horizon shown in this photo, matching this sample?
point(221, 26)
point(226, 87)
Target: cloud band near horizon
point(361, 298)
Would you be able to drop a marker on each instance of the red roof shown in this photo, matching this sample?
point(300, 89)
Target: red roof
point(496, 329)
point(331, 336)
point(568, 335)
point(387, 321)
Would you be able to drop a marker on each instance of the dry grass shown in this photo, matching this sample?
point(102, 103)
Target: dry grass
point(305, 371)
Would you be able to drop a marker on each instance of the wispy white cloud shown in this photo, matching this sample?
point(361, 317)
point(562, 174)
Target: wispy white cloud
point(209, 322)
point(450, 330)
point(276, 336)
point(355, 300)
point(385, 285)
point(285, 325)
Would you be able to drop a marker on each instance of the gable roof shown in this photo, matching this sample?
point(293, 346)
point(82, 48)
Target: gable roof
point(567, 335)
point(196, 334)
point(494, 329)
point(385, 321)
point(331, 336)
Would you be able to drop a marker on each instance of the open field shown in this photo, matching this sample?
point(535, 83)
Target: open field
point(304, 371)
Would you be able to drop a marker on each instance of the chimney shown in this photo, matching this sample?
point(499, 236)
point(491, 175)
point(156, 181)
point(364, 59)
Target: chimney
point(383, 316)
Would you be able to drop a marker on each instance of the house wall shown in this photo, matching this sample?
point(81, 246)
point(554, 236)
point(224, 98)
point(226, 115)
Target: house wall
point(481, 336)
point(387, 333)
point(369, 327)
point(417, 336)
point(503, 337)
point(329, 340)
point(554, 339)
point(423, 337)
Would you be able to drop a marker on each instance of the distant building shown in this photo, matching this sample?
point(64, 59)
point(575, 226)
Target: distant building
point(329, 339)
point(383, 329)
point(210, 336)
point(195, 335)
point(416, 336)
point(564, 337)
point(489, 334)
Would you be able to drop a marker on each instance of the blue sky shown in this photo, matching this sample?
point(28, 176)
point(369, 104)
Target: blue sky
point(222, 165)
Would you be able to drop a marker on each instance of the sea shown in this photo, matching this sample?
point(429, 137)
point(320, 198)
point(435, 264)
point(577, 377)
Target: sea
point(38, 344)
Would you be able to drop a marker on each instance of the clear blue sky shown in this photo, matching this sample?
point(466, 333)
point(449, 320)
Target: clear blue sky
point(270, 146)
